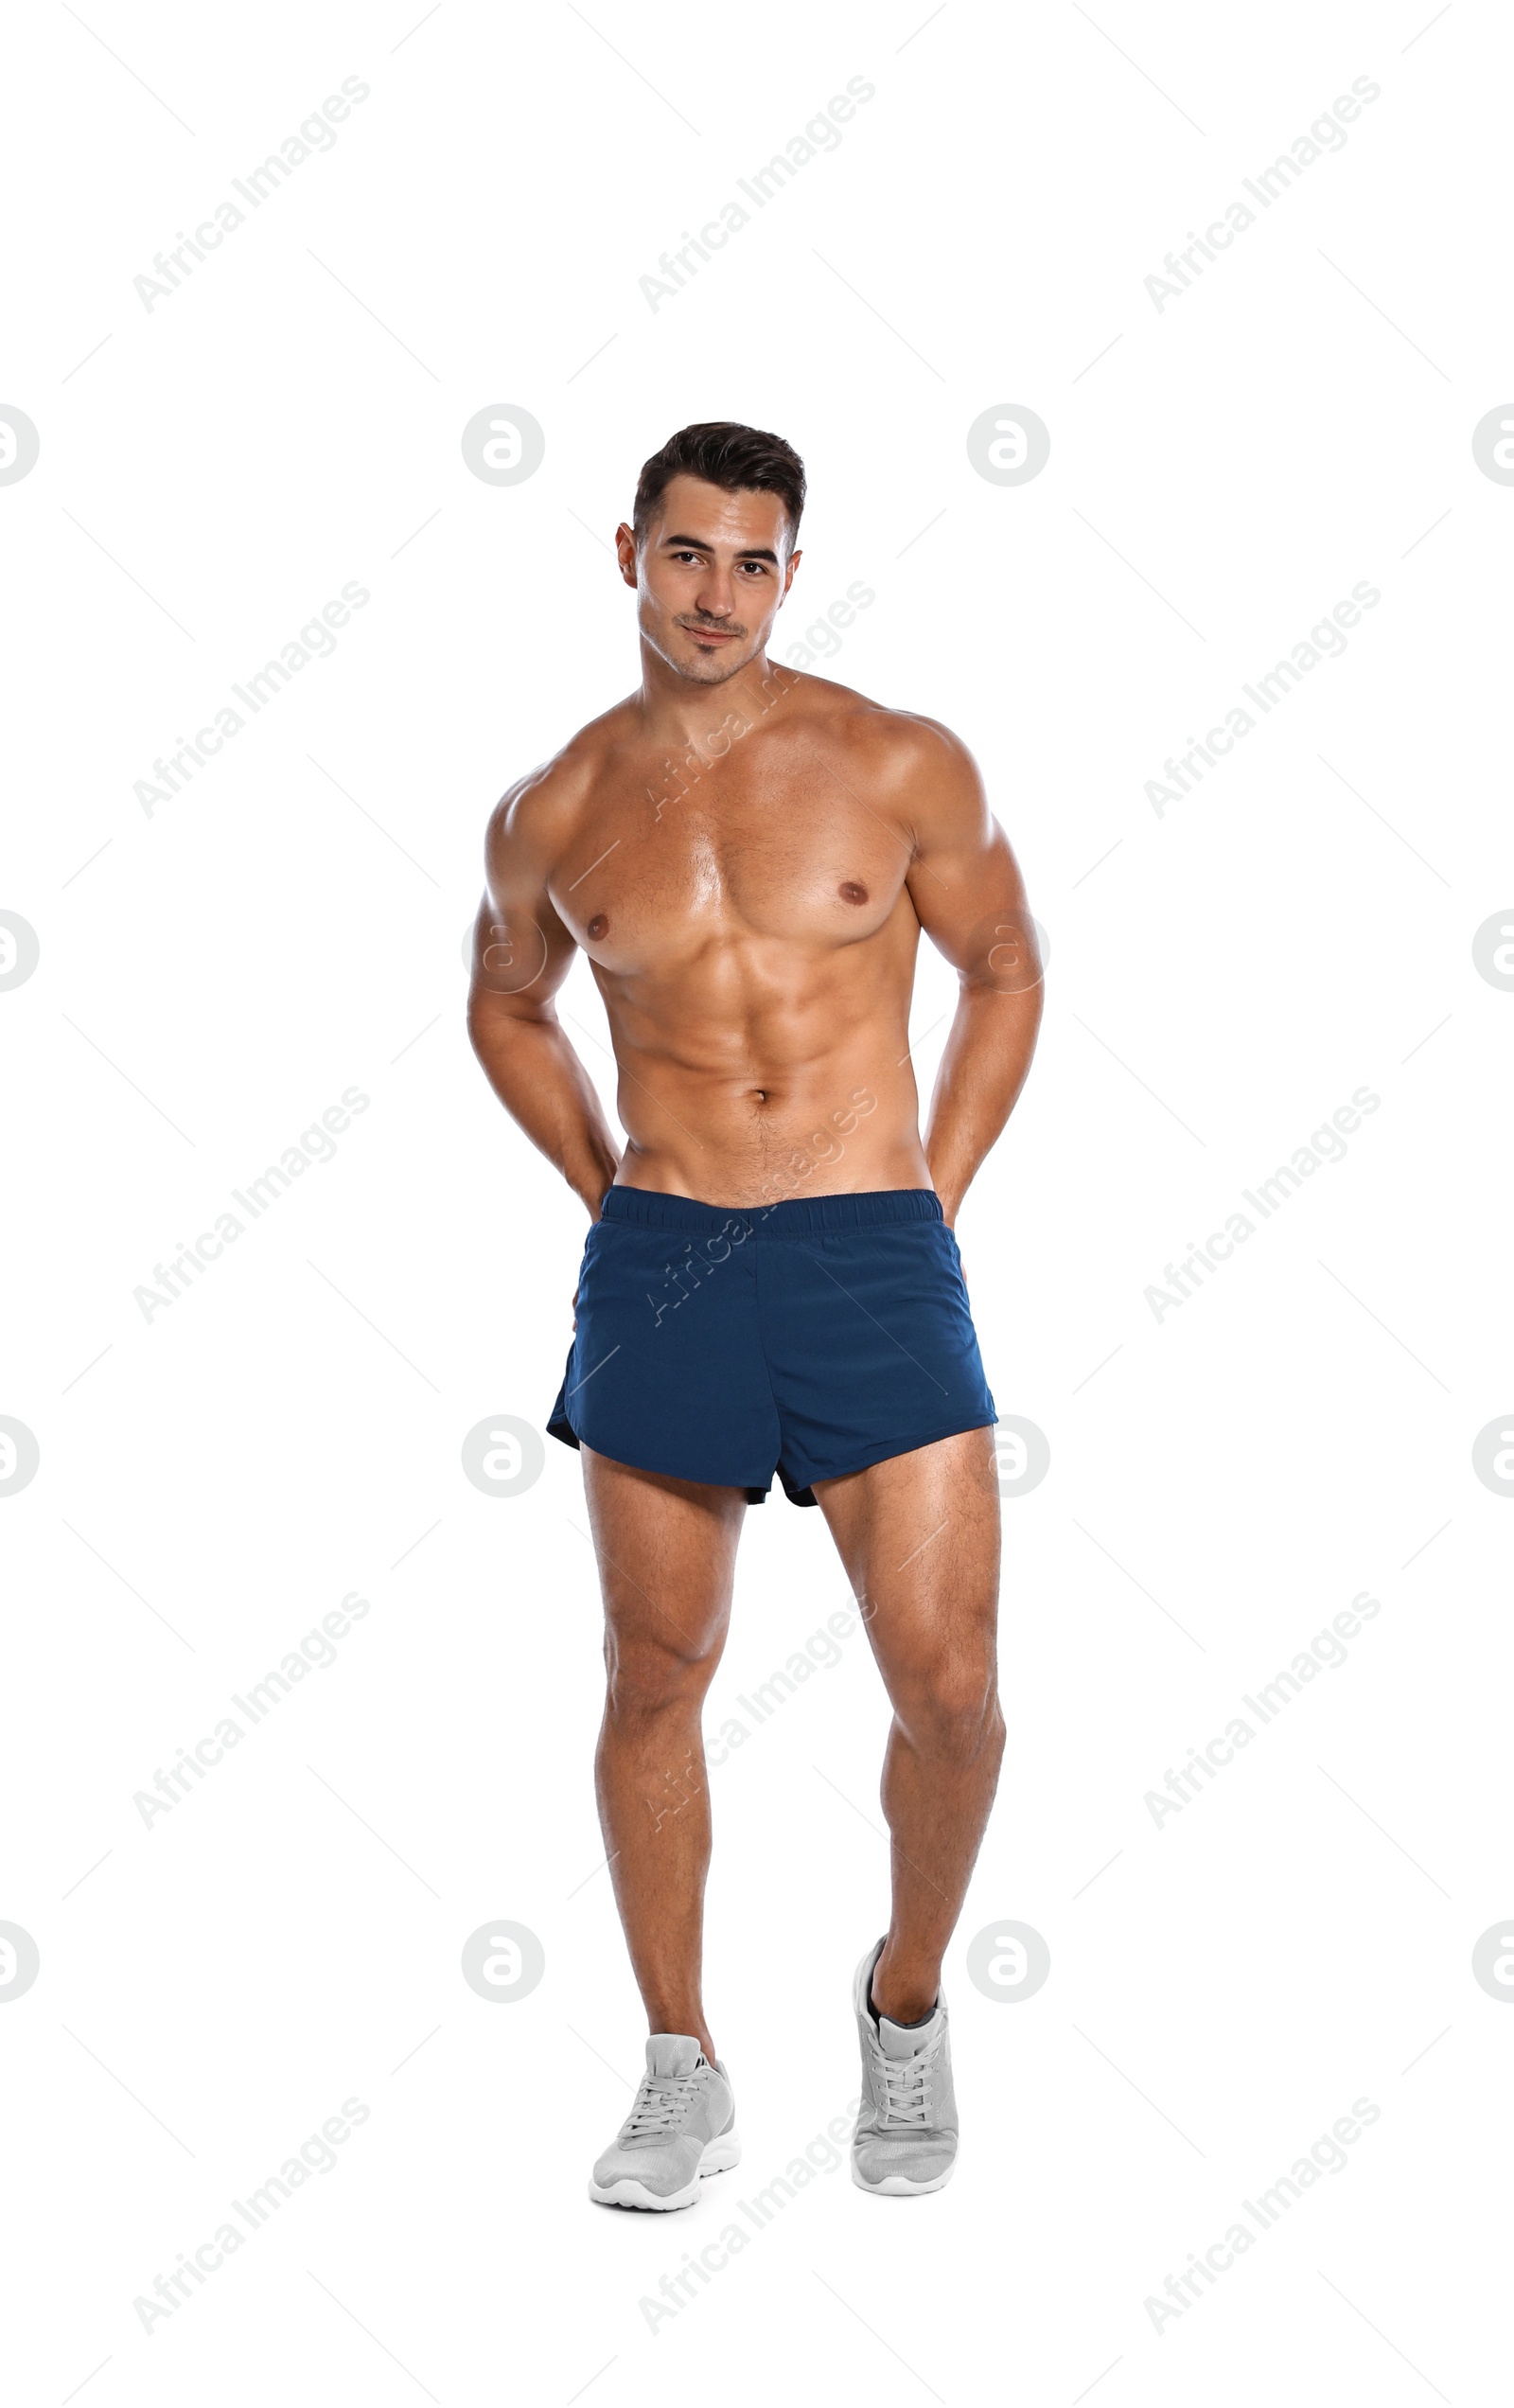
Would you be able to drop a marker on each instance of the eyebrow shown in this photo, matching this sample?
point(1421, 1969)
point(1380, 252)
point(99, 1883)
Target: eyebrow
point(698, 543)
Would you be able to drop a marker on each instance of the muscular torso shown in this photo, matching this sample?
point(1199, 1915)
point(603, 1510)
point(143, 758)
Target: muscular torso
point(750, 931)
point(751, 911)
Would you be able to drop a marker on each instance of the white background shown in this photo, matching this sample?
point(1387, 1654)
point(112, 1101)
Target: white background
point(1223, 1481)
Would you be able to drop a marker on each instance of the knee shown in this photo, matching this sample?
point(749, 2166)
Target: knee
point(952, 1712)
point(642, 1681)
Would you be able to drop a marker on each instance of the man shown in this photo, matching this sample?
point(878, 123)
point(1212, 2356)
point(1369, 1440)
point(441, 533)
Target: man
point(771, 1280)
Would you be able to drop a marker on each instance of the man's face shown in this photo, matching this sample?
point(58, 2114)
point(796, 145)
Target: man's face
point(709, 576)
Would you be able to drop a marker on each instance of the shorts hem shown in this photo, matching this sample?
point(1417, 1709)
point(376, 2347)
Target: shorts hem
point(885, 1452)
point(798, 1492)
point(560, 1426)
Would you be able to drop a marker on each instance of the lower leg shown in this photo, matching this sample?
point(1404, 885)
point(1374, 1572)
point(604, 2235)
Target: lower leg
point(649, 1775)
point(938, 1780)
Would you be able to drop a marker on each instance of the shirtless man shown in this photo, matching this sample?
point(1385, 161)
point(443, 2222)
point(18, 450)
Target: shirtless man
point(771, 1281)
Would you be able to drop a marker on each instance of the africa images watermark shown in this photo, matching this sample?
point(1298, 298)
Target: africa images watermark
point(1327, 1649)
point(1326, 2156)
point(1325, 1144)
point(704, 752)
point(823, 2155)
point(318, 132)
point(820, 1652)
point(316, 2156)
point(1328, 132)
point(1324, 641)
point(315, 1145)
point(316, 640)
point(823, 132)
point(719, 1245)
point(317, 1651)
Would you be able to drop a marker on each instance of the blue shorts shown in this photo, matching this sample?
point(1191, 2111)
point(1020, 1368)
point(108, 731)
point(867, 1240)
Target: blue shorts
point(812, 1337)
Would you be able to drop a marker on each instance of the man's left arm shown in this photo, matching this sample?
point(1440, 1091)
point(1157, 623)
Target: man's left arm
point(970, 899)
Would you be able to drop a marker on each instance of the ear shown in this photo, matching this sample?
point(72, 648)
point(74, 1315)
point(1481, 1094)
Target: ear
point(625, 553)
point(794, 559)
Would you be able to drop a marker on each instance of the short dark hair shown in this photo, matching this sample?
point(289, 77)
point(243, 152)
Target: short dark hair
point(740, 459)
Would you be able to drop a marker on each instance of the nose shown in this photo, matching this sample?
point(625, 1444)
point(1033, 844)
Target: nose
point(717, 596)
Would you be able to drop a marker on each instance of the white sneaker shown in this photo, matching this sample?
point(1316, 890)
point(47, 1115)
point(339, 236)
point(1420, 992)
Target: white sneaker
point(905, 2136)
point(682, 2127)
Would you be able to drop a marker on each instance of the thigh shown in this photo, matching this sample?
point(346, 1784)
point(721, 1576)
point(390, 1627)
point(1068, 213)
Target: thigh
point(667, 1559)
point(919, 1536)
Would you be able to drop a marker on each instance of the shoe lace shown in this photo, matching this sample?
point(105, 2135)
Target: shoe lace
point(905, 2084)
point(661, 2103)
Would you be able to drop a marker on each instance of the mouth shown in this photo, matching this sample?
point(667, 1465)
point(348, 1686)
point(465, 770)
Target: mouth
point(712, 635)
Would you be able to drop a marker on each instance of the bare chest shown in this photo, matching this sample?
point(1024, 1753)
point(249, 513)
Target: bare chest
point(662, 864)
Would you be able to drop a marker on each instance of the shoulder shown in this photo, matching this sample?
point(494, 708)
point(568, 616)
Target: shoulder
point(537, 816)
point(916, 765)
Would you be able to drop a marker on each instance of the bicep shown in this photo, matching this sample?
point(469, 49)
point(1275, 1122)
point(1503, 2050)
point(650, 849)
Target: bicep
point(965, 882)
point(522, 951)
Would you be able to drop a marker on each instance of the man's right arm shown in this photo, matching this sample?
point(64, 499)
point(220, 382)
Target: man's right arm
point(522, 954)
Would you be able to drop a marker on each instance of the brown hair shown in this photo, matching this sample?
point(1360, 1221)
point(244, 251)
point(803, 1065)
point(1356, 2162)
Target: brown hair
point(740, 459)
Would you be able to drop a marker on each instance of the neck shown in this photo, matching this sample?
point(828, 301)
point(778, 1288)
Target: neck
point(682, 710)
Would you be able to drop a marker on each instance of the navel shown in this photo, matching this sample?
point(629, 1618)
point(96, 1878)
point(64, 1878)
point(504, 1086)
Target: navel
point(598, 924)
point(852, 893)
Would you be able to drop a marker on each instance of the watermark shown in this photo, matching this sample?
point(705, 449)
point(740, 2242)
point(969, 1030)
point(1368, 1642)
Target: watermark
point(317, 2155)
point(719, 1245)
point(1010, 951)
point(821, 2155)
point(503, 1456)
point(20, 1455)
point(504, 444)
point(20, 950)
point(1325, 1144)
point(1492, 444)
point(703, 752)
point(318, 132)
point(1326, 2155)
point(1009, 444)
point(675, 269)
point(1022, 1455)
point(1492, 1455)
point(1328, 132)
point(20, 444)
point(822, 641)
point(316, 641)
point(502, 1961)
point(822, 1652)
point(20, 1962)
point(1493, 950)
point(190, 1262)
point(316, 1652)
point(1007, 1962)
point(1326, 1651)
point(1493, 1961)
point(1325, 640)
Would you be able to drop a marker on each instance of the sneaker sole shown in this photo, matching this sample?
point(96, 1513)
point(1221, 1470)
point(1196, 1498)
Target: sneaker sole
point(718, 2158)
point(900, 2185)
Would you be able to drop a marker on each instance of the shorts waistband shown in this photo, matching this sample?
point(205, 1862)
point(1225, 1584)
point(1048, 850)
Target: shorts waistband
point(796, 1216)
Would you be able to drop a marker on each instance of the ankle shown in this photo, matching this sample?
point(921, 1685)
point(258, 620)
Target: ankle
point(903, 1995)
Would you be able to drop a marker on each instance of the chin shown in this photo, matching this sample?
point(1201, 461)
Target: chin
point(712, 669)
